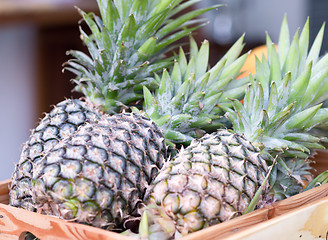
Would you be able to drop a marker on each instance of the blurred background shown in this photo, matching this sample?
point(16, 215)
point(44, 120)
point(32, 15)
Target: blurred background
point(35, 35)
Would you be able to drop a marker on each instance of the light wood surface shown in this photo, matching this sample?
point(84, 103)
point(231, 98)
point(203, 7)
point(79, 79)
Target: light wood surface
point(14, 223)
point(308, 222)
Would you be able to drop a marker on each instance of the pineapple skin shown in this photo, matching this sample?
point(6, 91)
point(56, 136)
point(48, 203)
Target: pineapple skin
point(99, 174)
point(211, 181)
point(61, 122)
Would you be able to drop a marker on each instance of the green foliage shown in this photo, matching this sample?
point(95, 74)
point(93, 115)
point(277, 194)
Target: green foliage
point(285, 97)
point(188, 100)
point(282, 104)
point(126, 46)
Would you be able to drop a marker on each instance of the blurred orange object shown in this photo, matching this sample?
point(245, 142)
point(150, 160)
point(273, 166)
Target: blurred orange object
point(249, 65)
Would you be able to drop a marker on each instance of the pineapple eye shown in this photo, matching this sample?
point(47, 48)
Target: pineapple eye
point(137, 157)
point(120, 148)
point(76, 118)
point(84, 189)
point(88, 212)
point(117, 163)
point(66, 130)
point(50, 144)
point(218, 149)
point(70, 169)
point(26, 168)
point(177, 182)
point(193, 221)
point(35, 150)
point(50, 174)
point(75, 152)
point(91, 116)
point(92, 171)
point(49, 133)
point(57, 119)
point(132, 173)
point(172, 202)
point(197, 182)
point(96, 155)
point(55, 156)
point(210, 207)
point(104, 197)
point(153, 152)
point(158, 191)
point(112, 179)
point(62, 189)
point(190, 200)
point(72, 107)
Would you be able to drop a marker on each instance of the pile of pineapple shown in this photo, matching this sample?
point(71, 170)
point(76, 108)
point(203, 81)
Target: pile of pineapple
point(170, 140)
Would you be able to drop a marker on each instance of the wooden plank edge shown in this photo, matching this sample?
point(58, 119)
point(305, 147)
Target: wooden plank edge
point(281, 207)
point(15, 222)
point(241, 223)
point(247, 233)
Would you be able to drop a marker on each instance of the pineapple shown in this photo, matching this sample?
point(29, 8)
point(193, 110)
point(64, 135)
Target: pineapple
point(216, 177)
point(61, 122)
point(99, 174)
point(126, 46)
point(211, 181)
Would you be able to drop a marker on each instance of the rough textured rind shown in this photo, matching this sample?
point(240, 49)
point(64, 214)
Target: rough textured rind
point(211, 181)
point(61, 122)
point(87, 166)
point(99, 174)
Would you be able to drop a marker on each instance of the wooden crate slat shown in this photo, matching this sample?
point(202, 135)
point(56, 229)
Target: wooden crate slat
point(15, 222)
point(306, 222)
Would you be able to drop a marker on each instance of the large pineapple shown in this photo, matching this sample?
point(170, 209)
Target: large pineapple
point(126, 46)
point(99, 174)
point(216, 177)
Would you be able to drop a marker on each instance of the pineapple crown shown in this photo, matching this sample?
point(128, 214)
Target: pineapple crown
point(283, 100)
point(282, 103)
point(126, 46)
point(185, 105)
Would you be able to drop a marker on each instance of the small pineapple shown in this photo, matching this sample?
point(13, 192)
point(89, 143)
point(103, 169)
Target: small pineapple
point(211, 181)
point(216, 177)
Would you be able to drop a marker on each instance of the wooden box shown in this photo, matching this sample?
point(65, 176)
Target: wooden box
point(309, 222)
point(14, 222)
